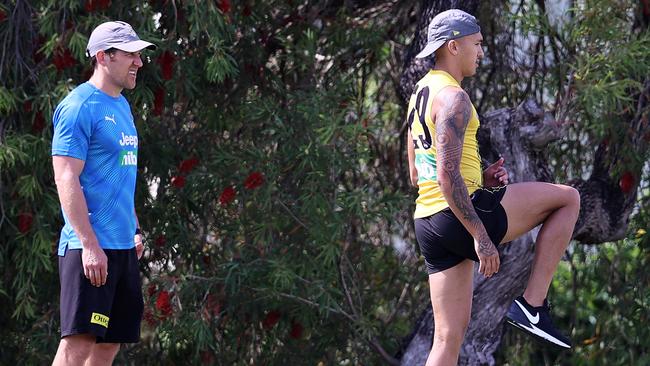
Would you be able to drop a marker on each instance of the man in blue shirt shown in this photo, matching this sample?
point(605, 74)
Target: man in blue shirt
point(95, 156)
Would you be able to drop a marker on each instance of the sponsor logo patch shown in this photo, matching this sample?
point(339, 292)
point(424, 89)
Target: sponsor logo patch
point(128, 157)
point(426, 166)
point(97, 318)
point(129, 140)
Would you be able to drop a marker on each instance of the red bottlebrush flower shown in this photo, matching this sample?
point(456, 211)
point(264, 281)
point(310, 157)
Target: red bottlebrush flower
point(254, 180)
point(188, 165)
point(103, 4)
point(89, 6)
point(249, 69)
point(151, 289)
point(206, 260)
point(161, 240)
point(247, 11)
point(59, 63)
point(178, 181)
point(296, 330)
point(627, 182)
point(158, 101)
point(93, 5)
point(3, 15)
point(166, 61)
point(227, 196)
point(212, 306)
point(63, 59)
point(25, 220)
point(271, 319)
point(27, 106)
point(39, 123)
point(37, 55)
point(163, 305)
point(69, 59)
point(224, 6)
point(207, 358)
point(149, 318)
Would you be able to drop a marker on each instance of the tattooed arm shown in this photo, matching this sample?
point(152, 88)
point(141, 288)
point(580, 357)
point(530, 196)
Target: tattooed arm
point(452, 118)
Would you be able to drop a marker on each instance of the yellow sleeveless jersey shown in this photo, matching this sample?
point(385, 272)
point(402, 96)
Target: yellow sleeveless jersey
point(430, 199)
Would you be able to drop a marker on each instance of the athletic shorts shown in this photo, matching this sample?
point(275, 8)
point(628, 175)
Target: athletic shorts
point(111, 312)
point(444, 241)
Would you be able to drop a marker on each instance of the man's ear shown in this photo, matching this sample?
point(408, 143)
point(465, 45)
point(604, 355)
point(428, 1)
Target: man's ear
point(101, 57)
point(452, 46)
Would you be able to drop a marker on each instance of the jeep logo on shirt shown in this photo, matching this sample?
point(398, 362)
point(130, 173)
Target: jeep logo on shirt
point(127, 140)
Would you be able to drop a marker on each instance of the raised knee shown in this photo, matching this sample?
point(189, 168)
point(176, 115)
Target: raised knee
point(571, 196)
point(574, 197)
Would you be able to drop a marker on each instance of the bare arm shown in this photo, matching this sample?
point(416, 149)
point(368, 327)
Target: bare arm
point(451, 123)
point(73, 203)
point(413, 172)
point(137, 238)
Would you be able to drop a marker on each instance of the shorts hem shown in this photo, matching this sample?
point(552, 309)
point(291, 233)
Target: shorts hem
point(439, 268)
point(128, 340)
point(79, 332)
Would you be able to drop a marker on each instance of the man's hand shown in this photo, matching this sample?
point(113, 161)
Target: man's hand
point(95, 264)
point(495, 175)
point(488, 256)
point(139, 245)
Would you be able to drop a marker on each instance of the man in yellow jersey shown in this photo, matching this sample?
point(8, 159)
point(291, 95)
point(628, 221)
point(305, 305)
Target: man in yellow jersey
point(462, 213)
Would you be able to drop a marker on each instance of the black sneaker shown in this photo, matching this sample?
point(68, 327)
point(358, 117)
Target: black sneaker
point(536, 321)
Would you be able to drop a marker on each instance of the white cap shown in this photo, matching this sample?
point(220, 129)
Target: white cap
point(118, 35)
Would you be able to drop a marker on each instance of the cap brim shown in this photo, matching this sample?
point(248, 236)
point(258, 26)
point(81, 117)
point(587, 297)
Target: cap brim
point(430, 48)
point(135, 46)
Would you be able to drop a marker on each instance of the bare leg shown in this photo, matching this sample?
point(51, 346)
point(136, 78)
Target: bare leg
point(451, 298)
point(557, 207)
point(103, 354)
point(74, 350)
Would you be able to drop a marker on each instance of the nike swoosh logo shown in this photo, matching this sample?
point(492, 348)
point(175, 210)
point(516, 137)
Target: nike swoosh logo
point(532, 319)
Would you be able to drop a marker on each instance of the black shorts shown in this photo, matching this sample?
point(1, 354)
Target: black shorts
point(111, 312)
point(444, 241)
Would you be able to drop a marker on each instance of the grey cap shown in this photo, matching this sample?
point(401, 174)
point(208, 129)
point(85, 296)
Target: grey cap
point(118, 35)
point(448, 25)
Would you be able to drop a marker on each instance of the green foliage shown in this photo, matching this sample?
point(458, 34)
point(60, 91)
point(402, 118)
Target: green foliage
point(587, 64)
point(609, 64)
point(260, 193)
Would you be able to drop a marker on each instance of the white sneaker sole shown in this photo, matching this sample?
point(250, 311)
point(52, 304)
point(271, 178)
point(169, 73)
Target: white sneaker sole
point(540, 333)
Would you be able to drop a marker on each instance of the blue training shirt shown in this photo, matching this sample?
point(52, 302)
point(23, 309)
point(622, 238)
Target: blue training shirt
point(97, 128)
